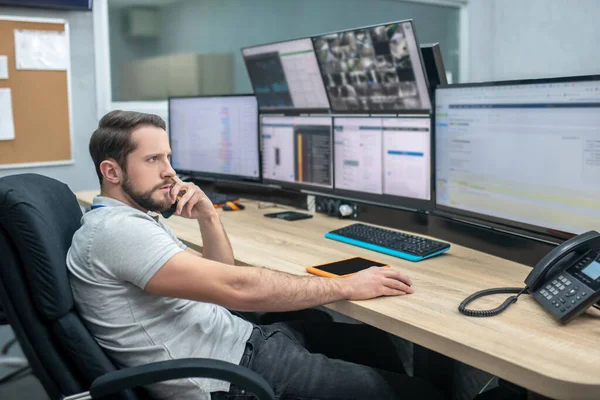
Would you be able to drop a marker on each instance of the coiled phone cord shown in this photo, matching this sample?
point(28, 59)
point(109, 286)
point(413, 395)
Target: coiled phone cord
point(486, 292)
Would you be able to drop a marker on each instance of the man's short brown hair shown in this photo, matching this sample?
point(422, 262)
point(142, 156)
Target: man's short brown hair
point(112, 139)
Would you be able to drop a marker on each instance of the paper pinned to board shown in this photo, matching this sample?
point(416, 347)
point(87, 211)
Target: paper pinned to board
point(7, 126)
point(3, 67)
point(41, 50)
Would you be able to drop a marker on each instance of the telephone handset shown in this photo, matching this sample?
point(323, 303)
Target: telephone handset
point(566, 281)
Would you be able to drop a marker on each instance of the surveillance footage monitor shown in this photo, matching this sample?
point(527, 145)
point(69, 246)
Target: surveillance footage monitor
point(383, 159)
point(215, 136)
point(296, 151)
point(373, 69)
point(434, 64)
point(524, 154)
point(286, 76)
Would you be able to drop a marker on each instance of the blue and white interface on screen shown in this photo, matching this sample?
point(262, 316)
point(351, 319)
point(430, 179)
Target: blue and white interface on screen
point(286, 76)
point(528, 153)
point(215, 135)
point(388, 156)
point(297, 150)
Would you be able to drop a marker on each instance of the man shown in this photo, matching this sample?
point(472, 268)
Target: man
point(146, 297)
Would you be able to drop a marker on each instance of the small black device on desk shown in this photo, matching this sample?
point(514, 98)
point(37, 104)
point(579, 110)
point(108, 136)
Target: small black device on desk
point(341, 268)
point(289, 215)
point(565, 282)
point(397, 244)
point(220, 198)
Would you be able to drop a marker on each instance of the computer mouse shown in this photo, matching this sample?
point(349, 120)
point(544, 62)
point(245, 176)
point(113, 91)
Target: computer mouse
point(231, 206)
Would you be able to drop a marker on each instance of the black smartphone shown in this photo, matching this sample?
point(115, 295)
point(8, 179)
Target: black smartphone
point(289, 215)
point(345, 267)
point(171, 210)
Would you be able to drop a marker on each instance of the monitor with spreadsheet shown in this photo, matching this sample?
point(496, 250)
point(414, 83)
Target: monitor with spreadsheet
point(373, 69)
point(296, 151)
point(215, 136)
point(387, 160)
point(523, 154)
point(285, 76)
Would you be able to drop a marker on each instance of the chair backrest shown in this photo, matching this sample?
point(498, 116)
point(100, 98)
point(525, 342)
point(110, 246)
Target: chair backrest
point(38, 217)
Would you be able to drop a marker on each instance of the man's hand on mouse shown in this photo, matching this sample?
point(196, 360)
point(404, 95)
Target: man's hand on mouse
point(375, 282)
point(194, 203)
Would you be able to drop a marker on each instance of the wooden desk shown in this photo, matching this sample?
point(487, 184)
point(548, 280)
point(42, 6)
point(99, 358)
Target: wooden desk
point(523, 345)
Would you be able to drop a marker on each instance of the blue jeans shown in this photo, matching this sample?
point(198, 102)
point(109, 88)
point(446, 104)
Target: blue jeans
point(326, 360)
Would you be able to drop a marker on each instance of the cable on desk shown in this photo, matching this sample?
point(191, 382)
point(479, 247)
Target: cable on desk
point(486, 292)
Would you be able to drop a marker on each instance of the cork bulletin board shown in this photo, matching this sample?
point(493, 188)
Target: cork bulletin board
point(40, 99)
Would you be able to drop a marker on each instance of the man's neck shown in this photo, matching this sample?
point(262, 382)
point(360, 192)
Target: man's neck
point(120, 196)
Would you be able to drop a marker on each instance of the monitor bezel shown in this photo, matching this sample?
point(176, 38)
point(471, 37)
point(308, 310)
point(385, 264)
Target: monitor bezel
point(438, 61)
point(420, 111)
point(51, 6)
point(504, 225)
point(387, 200)
point(218, 176)
point(293, 111)
point(295, 185)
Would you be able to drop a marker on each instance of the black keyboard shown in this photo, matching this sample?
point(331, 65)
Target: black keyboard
point(398, 244)
point(220, 198)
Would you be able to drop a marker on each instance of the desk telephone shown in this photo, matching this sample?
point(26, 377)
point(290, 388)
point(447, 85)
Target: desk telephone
point(565, 282)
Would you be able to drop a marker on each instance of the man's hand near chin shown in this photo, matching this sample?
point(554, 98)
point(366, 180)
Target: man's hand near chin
point(194, 204)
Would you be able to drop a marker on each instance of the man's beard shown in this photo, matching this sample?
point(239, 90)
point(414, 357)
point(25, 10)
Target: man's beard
point(144, 199)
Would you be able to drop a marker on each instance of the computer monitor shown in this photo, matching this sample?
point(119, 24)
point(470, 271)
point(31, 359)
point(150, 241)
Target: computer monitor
point(285, 76)
point(215, 136)
point(296, 151)
point(522, 154)
point(385, 160)
point(376, 69)
point(434, 64)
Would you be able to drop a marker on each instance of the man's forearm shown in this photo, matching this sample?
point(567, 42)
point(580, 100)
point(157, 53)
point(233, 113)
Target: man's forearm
point(215, 244)
point(260, 289)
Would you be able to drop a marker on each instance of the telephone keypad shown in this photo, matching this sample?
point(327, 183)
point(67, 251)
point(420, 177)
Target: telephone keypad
point(572, 291)
point(567, 292)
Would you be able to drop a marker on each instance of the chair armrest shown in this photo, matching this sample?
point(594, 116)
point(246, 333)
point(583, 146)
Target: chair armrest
point(116, 381)
point(6, 361)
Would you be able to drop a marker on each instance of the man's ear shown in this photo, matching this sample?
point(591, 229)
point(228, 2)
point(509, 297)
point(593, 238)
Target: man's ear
point(111, 171)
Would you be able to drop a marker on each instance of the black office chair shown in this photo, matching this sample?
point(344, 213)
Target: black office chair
point(19, 363)
point(38, 217)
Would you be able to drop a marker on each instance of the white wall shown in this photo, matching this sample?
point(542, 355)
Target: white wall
point(216, 26)
point(518, 39)
point(81, 175)
point(124, 48)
